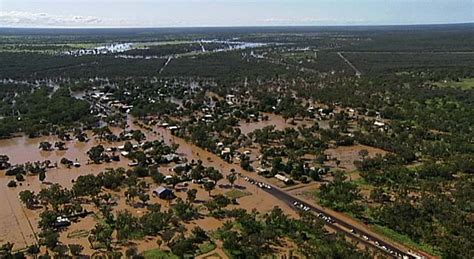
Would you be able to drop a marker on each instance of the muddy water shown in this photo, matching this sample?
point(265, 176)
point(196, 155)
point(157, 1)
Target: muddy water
point(348, 155)
point(19, 225)
point(23, 149)
point(273, 120)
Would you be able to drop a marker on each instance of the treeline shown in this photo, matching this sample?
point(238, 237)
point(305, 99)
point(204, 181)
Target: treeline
point(42, 112)
point(39, 66)
point(430, 203)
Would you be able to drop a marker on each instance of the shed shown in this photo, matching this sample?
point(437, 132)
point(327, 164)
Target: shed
point(282, 178)
point(163, 193)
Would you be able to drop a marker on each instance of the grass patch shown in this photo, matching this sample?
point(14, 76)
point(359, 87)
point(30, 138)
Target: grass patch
point(158, 254)
point(78, 234)
point(405, 240)
point(232, 254)
point(360, 182)
point(236, 194)
point(214, 255)
point(206, 247)
point(466, 84)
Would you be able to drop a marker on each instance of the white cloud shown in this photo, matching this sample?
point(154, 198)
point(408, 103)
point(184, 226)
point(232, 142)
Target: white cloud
point(29, 19)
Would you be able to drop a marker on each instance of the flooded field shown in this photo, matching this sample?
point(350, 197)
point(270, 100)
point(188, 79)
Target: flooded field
point(273, 120)
point(16, 223)
point(347, 155)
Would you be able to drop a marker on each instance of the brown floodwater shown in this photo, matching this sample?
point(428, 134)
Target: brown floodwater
point(19, 225)
point(273, 120)
point(348, 155)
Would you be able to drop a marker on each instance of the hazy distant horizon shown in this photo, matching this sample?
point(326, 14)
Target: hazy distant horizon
point(268, 28)
point(229, 13)
point(238, 26)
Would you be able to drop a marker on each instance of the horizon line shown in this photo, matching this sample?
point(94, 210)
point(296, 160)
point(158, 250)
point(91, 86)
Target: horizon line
point(239, 26)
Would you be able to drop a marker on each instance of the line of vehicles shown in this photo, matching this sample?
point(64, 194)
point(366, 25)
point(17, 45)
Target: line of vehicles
point(299, 205)
point(262, 185)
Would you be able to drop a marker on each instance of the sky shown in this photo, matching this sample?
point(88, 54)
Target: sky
point(193, 13)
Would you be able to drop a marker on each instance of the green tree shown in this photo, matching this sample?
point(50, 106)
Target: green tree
point(215, 175)
point(209, 186)
point(6, 250)
point(49, 238)
point(101, 233)
point(340, 194)
point(232, 177)
point(191, 195)
point(28, 198)
point(101, 132)
point(75, 249)
point(96, 153)
point(46, 146)
point(144, 198)
point(42, 176)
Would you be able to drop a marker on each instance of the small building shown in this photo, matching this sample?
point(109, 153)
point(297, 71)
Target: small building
point(208, 118)
point(171, 158)
point(163, 193)
point(282, 178)
point(379, 123)
point(225, 151)
point(230, 98)
point(173, 128)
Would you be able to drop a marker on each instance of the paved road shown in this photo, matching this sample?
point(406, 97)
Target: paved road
point(339, 225)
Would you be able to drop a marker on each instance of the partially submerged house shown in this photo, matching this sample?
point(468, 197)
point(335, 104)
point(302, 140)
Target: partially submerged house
point(163, 193)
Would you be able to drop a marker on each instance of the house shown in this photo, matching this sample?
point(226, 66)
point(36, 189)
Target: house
point(173, 128)
point(163, 193)
point(231, 99)
point(171, 158)
point(225, 151)
point(133, 164)
point(262, 171)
